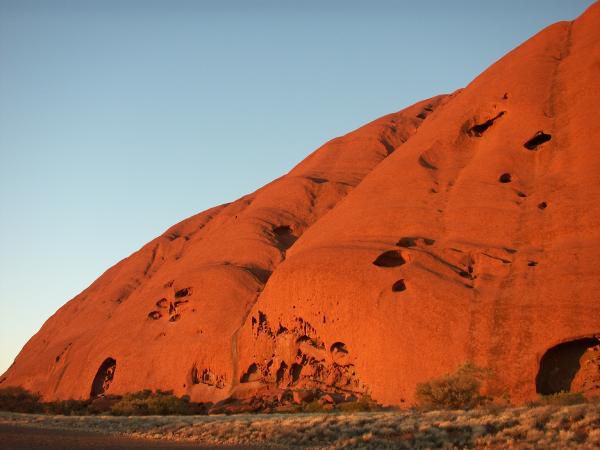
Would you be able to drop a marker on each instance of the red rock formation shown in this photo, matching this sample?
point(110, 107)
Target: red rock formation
point(465, 227)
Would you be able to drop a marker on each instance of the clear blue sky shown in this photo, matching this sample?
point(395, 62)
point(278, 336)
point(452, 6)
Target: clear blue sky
point(120, 118)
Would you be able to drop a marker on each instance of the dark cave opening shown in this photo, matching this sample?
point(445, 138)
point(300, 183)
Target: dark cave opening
point(104, 377)
point(560, 364)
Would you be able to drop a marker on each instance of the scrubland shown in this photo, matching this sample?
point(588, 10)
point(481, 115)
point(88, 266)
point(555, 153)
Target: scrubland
point(548, 426)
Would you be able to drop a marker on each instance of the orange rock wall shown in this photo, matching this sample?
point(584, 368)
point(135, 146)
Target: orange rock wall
point(465, 227)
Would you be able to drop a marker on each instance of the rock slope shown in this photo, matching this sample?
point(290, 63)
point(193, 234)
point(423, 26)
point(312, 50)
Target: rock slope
point(463, 228)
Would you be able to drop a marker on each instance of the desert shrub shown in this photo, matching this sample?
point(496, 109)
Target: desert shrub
point(364, 403)
point(144, 403)
point(102, 405)
point(562, 399)
point(314, 406)
point(460, 390)
point(67, 407)
point(17, 399)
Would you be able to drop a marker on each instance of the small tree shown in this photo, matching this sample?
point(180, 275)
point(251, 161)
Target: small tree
point(460, 390)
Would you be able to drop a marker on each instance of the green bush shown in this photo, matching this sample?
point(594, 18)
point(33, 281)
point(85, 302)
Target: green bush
point(17, 399)
point(460, 390)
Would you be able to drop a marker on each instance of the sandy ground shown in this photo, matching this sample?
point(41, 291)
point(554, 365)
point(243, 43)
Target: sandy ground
point(21, 437)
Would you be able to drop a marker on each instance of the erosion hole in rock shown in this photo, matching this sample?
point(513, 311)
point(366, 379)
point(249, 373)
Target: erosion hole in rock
point(281, 372)
point(302, 339)
point(466, 274)
point(423, 162)
point(538, 139)
point(173, 235)
point(389, 147)
point(104, 377)
point(284, 236)
point(162, 303)
point(542, 205)
point(318, 180)
point(407, 242)
point(560, 364)
point(195, 375)
point(295, 372)
point(261, 274)
point(477, 130)
point(411, 241)
point(247, 376)
point(175, 318)
point(262, 320)
point(391, 258)
point(505, 178)
point(532, 263)
point(183, 292)
point(154, 315)
point(338, 347)
point(399, 286)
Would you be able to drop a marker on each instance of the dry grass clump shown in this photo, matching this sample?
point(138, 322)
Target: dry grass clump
point(560, 399)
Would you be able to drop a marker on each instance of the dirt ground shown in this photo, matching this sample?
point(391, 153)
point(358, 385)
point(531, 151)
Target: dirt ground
point(18, 437)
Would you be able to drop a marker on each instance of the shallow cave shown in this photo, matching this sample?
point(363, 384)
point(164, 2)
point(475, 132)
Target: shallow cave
point(261, 274)
point(281, 372)
point(426, 164)
point(295, 371)
point(477, 130)
point(183, 292)
point(104, 377)
point(399, 286)
point(538, 139)
point(284, 236)
point(162, 303)
point(560, 364)
point(338, 347)
point(195, 375)
point(505, 178)
point(252, 369)
point(154, 315)
point(391, 258)
point(411, 241)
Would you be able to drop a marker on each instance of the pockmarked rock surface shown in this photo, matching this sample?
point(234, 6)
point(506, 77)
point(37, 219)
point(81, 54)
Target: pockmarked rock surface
point(463, 228)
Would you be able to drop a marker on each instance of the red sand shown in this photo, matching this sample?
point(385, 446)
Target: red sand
point(466, 227)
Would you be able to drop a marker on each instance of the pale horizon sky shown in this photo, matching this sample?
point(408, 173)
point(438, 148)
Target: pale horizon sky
point(121, 118)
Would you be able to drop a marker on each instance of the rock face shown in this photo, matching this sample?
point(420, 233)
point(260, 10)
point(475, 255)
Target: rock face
point(463, 228)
